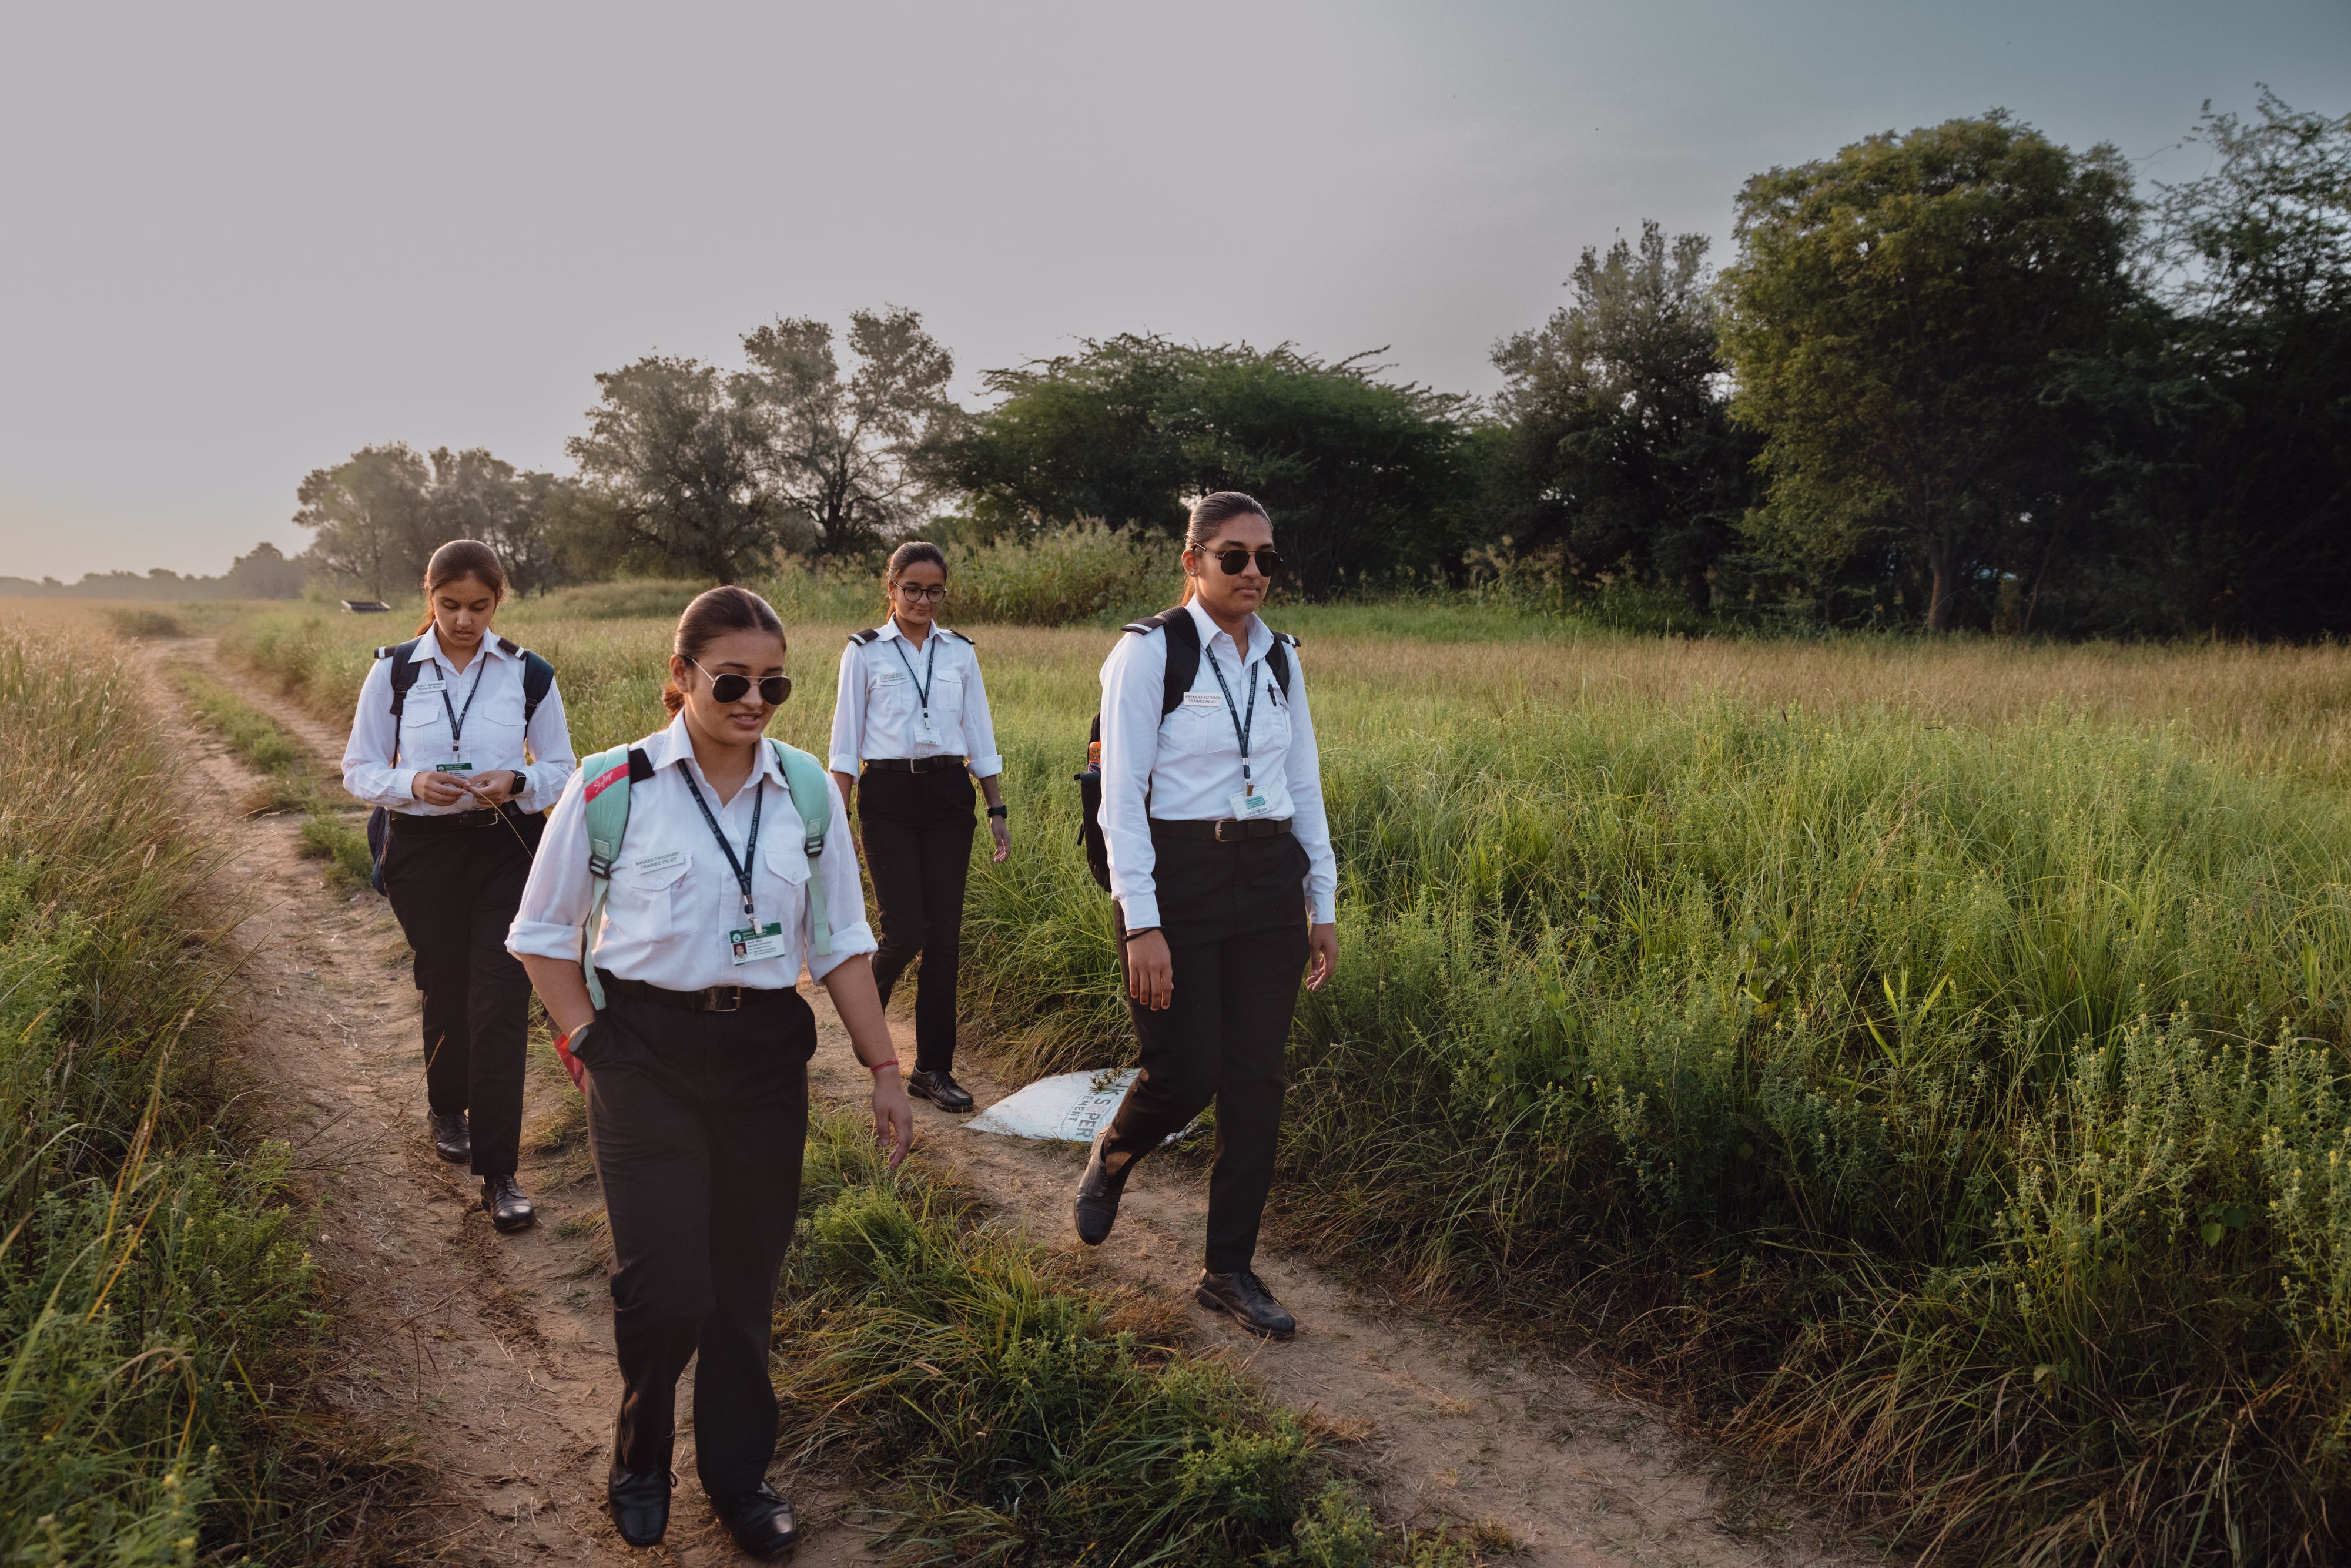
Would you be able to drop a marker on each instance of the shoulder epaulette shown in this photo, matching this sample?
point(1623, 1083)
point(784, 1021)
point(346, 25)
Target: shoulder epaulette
point(510, 647)
point(862, 638)
point(1286, 637)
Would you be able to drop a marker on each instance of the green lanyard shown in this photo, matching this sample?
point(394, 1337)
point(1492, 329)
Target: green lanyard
point(1241, 725)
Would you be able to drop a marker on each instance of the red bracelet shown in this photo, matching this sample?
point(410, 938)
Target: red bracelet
point(878, 1066)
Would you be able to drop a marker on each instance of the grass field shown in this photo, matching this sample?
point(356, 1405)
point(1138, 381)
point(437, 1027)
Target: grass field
point(1923, 1061)
point(156, 1303)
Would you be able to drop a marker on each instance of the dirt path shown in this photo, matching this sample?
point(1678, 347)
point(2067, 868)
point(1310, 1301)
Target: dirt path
point(493, 1355)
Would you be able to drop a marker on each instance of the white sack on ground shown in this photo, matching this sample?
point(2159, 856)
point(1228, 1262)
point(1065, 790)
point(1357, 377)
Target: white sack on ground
point(1069, 1107)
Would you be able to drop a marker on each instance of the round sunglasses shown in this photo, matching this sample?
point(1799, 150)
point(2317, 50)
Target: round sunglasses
point(773, 689)
point(1269, 560)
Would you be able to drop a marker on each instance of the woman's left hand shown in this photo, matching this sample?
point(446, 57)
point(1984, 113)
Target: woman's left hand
point(1003, 835)
point(1323, 942)
point(894, 1117)
point(494, 789)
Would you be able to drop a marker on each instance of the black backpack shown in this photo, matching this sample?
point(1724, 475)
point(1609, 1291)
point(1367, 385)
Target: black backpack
point(1182, 667)
point(538, 680)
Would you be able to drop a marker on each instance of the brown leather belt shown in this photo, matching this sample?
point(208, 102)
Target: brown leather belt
point(1224, 832)
point(709, 999)
point(913, 764)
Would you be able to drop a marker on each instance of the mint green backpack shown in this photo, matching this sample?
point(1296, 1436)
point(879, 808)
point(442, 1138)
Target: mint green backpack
point(606, 800)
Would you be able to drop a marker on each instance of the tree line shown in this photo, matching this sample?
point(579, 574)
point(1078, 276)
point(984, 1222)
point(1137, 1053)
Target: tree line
point(1960, 377)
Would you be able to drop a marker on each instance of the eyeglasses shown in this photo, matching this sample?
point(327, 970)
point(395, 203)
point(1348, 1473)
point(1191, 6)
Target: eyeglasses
point(1269, 560)
point(932, 595)
point(773, 689)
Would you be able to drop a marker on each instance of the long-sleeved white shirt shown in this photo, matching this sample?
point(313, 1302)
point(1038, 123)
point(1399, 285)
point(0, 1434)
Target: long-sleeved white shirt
point(877, 712)
point(1186, 766)
point(674, 899)
point(493, 735)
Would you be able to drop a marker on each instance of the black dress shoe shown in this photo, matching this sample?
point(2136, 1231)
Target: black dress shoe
point(760, 1522)
point(640, 1506)
point(508, 1206)
point(940, 1089)
point(1096, 1210)
point(450, 1139)
point(1251, 1305)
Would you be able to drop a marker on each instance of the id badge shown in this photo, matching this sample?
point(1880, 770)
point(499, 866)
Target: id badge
point(927, 733)
point(751, 946)
point(427, 688)
point(1250, 805)
point(453, 768)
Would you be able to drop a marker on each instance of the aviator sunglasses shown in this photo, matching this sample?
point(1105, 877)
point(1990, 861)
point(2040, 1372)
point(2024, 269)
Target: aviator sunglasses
point(773, 689)
point(1269, 560)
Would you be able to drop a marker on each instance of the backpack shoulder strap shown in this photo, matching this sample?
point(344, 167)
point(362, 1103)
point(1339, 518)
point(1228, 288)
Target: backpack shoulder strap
point(1276, 658)
point(862, 638)
point(1183, 652)
point(812, 799)
point(605, 798)
point(404, 670)
point(538, 680)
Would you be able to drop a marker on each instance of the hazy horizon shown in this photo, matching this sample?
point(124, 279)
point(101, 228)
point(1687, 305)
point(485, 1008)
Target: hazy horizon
point(248, 243)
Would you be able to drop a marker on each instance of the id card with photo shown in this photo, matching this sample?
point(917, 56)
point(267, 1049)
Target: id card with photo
point(749, 946)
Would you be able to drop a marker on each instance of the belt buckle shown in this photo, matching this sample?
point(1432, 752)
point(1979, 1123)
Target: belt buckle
point(1233, 837)
point(733, 995)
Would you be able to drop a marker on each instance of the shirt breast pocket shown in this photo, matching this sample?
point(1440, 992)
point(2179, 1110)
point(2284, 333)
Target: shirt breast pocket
point(1194, 730)
point(500, 738)
point(1273, 727)
point(783, 876)
point(652, 902)
point(423, 732)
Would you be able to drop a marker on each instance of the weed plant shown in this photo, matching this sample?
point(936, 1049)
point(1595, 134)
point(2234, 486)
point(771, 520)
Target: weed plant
point(1925, 1060)
point(154, 1295)
point(327, 831)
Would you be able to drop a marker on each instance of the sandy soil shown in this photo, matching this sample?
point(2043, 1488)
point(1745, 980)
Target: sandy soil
point(492, 1356)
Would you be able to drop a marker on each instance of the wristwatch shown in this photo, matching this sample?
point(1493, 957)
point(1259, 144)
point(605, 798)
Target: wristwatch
point(999, 811)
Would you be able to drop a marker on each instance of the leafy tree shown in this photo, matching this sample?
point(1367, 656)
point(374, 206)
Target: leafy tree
point(476, 495)
point(371, 519)
point(1363, 476)
point(1896, 320)
point(677, 465)
point(2229, 419)
point(843, 453)
point(1618, 444)
point(265, 573)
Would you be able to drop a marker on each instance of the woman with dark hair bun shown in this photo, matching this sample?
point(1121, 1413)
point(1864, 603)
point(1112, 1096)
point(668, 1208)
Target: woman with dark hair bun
point(911, 733)
point(459, 743)
point(683, 883)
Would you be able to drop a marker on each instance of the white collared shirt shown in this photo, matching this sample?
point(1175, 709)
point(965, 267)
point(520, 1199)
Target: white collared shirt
point(674, 899)
point(877, 712)
point(1186, 766)
point(491, 737)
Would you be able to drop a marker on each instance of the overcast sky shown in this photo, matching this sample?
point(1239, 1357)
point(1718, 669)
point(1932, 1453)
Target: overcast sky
point(238, 242)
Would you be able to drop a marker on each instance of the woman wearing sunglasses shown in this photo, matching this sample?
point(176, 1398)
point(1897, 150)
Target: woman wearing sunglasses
point(1221, 868)
point(695, 1069)
point(459, 743)
point(912, 713)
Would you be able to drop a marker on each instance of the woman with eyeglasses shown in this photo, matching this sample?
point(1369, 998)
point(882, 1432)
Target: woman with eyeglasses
point(696, 1064)
point(1221, 870)
point(910, 734)
point(459, 743)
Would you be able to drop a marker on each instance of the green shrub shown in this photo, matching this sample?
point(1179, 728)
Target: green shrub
point(1078, 573)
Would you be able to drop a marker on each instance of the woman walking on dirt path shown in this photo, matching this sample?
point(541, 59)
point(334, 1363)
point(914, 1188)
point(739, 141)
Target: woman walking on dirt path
point(1221, 868)
point(912, 711)
point(459, 742)
point(693, 1045)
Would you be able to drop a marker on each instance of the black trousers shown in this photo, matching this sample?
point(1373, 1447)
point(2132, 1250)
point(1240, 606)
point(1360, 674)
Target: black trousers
point(456, 890)
point(916, 829)
point(1235, 919)
point(698, 1122)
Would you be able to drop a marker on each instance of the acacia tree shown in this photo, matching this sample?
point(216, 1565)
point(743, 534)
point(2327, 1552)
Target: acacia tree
point(370, 516)
point(844, 454)
point(676, 460)
point(1619, 446)
point(1893, 319)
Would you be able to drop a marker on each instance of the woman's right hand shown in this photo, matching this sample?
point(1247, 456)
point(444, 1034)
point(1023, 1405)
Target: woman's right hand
point(437, 789)
point(1150, 970)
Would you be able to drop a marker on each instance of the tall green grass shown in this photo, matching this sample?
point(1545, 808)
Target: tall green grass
point(155, 1299)
point(1926, 1061)
point(327, 834)
point(1014, 1413)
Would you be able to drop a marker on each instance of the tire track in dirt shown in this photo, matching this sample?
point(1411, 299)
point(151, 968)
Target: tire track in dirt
point(492, 1356)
